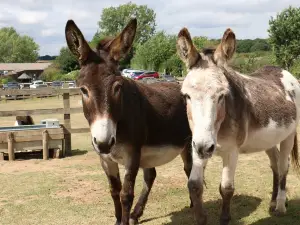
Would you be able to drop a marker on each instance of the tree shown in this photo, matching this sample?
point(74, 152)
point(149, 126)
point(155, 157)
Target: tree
point(66, 61)
point(114, 19)
point(15, 48)
point(155, 52)
point(284, 35)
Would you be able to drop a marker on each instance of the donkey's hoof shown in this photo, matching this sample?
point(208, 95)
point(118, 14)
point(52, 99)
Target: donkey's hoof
point(133, 221)
point(272, 207)
point(279, 212)
point(201, 220)
point(118, 223)
point(225, 220)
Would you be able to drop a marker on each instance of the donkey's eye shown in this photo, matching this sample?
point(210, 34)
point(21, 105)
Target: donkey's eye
point(221, 97)
point(84, 91)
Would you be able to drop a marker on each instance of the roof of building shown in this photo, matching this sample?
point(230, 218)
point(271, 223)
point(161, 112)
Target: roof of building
point(23, 66)
point(24, 76)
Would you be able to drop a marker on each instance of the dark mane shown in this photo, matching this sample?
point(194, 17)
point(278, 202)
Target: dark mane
point(208, 51)
point(238, 106)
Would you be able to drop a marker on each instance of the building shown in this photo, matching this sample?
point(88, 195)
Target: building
point(15, 70)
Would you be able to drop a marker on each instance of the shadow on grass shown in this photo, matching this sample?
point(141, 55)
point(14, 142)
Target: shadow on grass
point(77, 152)
point(20, 156)
point(242, 206)
point(292, 216)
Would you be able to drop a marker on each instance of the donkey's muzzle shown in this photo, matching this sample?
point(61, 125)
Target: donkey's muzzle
point(104, 147)
point(204, 150)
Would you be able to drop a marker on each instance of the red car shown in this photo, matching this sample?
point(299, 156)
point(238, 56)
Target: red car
point(146, 74)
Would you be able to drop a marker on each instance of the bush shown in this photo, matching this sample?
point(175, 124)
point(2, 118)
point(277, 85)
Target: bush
point(51, 73)
point(6, 80)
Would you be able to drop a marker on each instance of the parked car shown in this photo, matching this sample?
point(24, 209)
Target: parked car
point(130, 73)
point(10, 86)
point(168, 78)
point(72, 84)
point(57, 84)
point(38, 84)
point(147, 74)
point(126, 72)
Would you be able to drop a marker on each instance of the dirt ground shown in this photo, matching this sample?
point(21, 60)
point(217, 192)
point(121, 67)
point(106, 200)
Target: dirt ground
point(74, 190)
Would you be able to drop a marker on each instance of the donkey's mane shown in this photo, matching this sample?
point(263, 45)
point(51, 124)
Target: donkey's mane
point(238, 106)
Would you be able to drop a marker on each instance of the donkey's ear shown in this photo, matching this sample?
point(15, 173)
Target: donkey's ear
point(186, 49)
point(76, 42)
point(226, 48)
point(121, 45)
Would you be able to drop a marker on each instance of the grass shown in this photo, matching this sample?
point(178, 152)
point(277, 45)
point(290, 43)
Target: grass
point(74, 190)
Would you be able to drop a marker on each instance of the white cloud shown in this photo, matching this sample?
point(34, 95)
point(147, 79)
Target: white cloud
point(31, 17)
point(45, 20)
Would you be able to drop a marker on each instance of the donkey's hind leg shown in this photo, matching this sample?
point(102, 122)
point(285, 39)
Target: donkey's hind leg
point(112, 172)
point(286, 147)
point(273, 155)
point(149, 177)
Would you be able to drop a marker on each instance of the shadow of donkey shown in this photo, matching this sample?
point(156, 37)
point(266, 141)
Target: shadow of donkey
point(242, 206)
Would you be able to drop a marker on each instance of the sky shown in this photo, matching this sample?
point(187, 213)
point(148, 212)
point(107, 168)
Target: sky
point(45, 20)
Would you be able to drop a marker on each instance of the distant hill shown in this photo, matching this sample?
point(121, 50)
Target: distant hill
point(47, 57)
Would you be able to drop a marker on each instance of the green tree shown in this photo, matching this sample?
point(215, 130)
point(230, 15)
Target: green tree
point(155, 52)
point(114, 19)
point(15, 48)
point(66, 61)
point(284, 34)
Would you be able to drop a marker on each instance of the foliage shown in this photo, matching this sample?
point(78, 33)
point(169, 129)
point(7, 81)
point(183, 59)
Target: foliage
point(200, 42)
point(114, 19)
point(249, 62)
point(175, 66)
point(15, 48)
point(51, 73)
point(284, 34)
point(5, 80)
point(71, 76)
point(156, 51)
point(295, 69)
point(47, 57)
point(248, 45)
point(66, 61)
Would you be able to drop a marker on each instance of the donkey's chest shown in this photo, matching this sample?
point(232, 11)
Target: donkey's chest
point(151, 156)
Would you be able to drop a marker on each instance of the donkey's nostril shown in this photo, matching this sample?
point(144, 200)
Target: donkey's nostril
point(112, 142)
point(95, 140)
point(211, 148)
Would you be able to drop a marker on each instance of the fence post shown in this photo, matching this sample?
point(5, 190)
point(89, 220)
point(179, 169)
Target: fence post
point(67, 123)
point(45, 145)
point(10, 146)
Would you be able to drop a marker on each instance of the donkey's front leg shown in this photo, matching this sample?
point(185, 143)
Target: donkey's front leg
point(127, 192)
point(227, 184)
point(149, 177)
point(111, 170)
point(195, 185)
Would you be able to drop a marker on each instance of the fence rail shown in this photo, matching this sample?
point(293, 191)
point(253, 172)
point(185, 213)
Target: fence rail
point(66, 110)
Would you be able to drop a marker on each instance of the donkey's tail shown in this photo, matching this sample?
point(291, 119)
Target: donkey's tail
point(295, 155)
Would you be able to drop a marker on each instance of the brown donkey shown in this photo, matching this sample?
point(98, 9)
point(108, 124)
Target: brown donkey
point(132, 124)
point(234, 113)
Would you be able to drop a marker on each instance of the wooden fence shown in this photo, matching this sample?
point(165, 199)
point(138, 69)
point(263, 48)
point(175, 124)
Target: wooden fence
point(66, 110)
